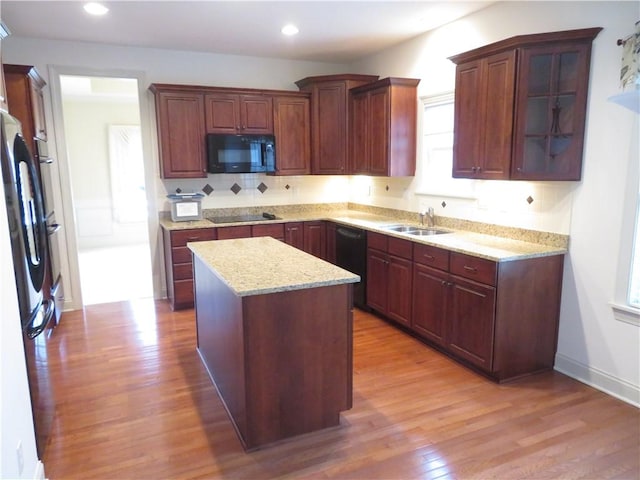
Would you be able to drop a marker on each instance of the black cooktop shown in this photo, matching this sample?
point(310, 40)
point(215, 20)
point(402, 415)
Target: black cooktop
point(244, 218)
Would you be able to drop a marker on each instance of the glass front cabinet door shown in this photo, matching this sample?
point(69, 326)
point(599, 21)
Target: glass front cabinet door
point(550, 112)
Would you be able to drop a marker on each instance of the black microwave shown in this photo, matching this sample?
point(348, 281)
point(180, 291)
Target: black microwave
point(240, 153)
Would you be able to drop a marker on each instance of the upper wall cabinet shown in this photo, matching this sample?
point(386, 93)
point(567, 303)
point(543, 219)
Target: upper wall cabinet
point(181, 132)
point(4, 32)
point(330, 120)
point(292, 132)
point(238, 113)
point(383, 119)
point(520, 107)
point(24, 89)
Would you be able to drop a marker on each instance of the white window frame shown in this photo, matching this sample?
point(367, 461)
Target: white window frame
point(623, 310)
point(432, 181)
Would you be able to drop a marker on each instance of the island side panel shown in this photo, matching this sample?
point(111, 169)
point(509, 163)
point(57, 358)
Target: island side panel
point(299, 347)
point(221, 341)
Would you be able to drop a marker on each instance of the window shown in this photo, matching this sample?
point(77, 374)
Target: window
point(634, 281)
point(437, 150)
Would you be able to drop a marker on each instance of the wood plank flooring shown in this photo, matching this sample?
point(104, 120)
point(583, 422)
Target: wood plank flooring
point(134, 402)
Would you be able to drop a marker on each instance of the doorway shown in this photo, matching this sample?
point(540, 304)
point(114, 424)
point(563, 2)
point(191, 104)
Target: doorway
point(101, 118)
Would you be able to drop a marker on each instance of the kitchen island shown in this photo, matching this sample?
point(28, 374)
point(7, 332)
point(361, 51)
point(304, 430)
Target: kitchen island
point(274, 330)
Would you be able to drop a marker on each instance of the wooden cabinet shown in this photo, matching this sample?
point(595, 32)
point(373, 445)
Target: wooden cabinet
point(181, 132)
point(274, 230)
point(500, 318)
point(294, 234)
point(330, 251)
point(292, 132)
point(179, 264)
point(330, 120)
point(4, 32)
point(520, 107)
point(315, 238)
point(24, 89)
point(237, 231)
point(383, 117)
point(389, 276)
point(239, 113)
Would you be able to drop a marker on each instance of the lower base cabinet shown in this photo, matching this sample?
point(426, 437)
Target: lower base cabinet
point(499, 318)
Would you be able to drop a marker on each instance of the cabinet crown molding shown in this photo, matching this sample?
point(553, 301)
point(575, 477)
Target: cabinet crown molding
point(521, 41)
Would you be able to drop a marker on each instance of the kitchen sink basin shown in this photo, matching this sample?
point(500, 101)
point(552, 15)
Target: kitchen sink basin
point(421, 232)
point(415, 231)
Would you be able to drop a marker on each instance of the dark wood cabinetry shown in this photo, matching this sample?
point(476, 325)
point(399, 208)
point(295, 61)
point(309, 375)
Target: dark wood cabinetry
point(238, 113)
point(181, 132)
point(383, 117)
point(292, 132)
point(3, 90)
point(498, 317)
point(315, 238)
point(179, 265)
point(294, 234)
point(330, 120)
point(389, 276)
point(520, 107)
point(24, 88)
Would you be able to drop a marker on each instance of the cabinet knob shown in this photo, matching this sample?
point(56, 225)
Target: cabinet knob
point(470, 269)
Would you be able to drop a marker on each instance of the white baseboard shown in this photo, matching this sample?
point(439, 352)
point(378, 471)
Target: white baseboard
point(39, 473)
point(616, 387)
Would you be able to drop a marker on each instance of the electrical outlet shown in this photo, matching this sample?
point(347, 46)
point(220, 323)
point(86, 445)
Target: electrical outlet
point(20, 458)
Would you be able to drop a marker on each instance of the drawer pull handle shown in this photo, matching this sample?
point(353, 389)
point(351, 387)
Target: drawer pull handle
point(470, 269)
point(428, 257)
point(193, 239)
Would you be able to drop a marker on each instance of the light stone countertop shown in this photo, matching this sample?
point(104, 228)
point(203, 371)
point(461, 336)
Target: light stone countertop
point(262, 265)
point(490, 247)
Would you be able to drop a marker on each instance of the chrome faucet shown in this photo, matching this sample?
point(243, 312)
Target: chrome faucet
point(429, 213)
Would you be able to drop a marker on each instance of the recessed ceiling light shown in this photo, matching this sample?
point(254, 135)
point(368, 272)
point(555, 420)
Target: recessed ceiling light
point(289, 29)
point(95, 8)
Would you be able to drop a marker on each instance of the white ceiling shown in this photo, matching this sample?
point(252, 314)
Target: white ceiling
point(330, 31)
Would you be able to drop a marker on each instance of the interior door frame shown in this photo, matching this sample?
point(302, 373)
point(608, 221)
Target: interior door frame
point(70, 265)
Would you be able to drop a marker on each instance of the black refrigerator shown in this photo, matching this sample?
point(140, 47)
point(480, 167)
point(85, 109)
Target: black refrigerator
point(28, 233)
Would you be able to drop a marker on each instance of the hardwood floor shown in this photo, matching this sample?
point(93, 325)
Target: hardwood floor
point(134, 402)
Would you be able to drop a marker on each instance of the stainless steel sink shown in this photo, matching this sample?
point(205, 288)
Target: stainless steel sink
point(421, 232)
point(400, 228)
point(415, 231)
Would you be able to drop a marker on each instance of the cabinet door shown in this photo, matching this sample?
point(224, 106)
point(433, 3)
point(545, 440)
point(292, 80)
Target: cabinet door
point(378, 132)
point(315, 238)
point(256, 114)
point(330, 251)
point(430, 292)
point(181, 133)
point(359, 131)
point(329, 155)
point(294, 234)
point(399, 281)
point(377, 280)
point(292, 132)
point(483, 122)
point(551, 110)
point(471, 321)
point(223, 113)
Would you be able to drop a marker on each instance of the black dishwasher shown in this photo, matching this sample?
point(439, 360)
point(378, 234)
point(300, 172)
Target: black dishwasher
point(351, 254)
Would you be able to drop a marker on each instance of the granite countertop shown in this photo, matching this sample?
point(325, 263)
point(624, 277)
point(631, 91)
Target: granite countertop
point(490, 247)
point(261, 265)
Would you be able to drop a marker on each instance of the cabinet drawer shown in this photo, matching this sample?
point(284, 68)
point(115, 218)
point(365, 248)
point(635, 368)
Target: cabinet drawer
point(431, 256)
point(181, 255)
point(241, 231)
point(183, 293)
point(180, 238)
point(473, 268)
point(183, 271)
point(269, 230)
point(377, 241)
point(400, 248)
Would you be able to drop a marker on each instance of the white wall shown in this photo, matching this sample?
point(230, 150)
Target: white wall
point(15, 403)
point(592, 345)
